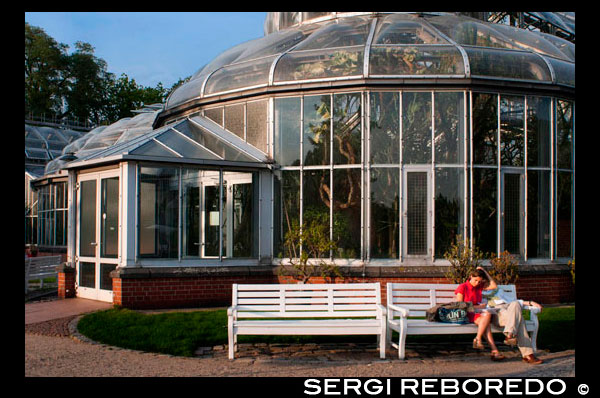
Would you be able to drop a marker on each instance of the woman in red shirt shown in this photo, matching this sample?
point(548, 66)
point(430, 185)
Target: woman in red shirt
point(471, 291)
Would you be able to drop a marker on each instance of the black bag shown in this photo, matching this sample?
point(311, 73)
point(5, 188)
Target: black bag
point(454, 312)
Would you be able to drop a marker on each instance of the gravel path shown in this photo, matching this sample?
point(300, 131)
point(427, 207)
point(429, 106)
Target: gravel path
point(54, 349)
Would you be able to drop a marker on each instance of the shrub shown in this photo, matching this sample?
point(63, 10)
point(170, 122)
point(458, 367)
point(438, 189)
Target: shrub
point(308, 249)
point(463, 259)
point(572, 268)
point(505, 268)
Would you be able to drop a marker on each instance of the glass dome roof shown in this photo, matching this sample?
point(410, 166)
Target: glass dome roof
point(349, 46)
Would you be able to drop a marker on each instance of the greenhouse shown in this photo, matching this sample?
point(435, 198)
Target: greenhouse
point(398, 131)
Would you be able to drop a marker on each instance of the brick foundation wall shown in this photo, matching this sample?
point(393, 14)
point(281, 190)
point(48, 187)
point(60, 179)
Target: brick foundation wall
point(66, 281)
point(144, 288)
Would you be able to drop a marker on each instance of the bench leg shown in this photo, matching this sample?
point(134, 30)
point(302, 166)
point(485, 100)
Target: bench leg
point(382, 340)
point(402, 341)
point(230, 337)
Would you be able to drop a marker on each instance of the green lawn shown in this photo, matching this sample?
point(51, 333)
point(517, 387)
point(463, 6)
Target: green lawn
point(181, 333)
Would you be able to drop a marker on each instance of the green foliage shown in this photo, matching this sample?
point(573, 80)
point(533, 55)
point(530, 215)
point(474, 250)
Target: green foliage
point(572, 268)
point(505, 268)
point(308, 250)
point(79, 85)
point(463, 259)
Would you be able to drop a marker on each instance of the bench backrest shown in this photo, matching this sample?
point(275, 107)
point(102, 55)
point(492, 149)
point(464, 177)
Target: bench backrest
point(307, 300)
point(41, 265)
point(418, 297)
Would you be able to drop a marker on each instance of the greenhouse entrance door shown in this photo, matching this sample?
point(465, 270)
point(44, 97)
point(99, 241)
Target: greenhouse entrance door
point(97, 234)
point(416, 212)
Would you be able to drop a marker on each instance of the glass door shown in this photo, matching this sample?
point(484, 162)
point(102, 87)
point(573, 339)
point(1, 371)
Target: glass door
point(416, 213)
point(513, 212)
point(98, 234)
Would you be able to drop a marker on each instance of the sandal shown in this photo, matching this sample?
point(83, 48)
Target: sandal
point(511, 341)
point(477, 344)
point(497, 356)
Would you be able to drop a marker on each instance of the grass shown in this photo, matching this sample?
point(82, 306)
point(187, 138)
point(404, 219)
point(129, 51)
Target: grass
point(181, 333)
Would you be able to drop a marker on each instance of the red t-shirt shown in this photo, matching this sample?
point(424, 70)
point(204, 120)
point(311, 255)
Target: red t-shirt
point(470, 293)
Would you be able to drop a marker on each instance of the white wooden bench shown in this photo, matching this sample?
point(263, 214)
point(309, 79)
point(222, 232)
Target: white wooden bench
point(40, 268)
point(307, 309)
point(407, 303)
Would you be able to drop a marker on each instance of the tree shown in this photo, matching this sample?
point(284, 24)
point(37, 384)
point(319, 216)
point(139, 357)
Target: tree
point(125, 94)
point(89, 85)
point(45, 72)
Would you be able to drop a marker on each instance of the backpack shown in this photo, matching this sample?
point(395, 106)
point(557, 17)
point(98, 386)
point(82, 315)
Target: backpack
point(454, 312)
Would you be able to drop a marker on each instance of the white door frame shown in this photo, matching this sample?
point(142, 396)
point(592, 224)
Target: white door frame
point(95, 293)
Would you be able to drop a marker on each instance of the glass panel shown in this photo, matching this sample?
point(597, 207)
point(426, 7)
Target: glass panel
point(385, 227)
point(290, 188)
point(416, 60)
point(385, 128)
point(513, 222)
point(538, 214)
point(316, 196)
point(87, 219)
point(403, 29)
point(158, 212)
point(343, 33)
point(347, 212)
point(416, 127)
point(563, 215)
point(320, 64)
point(192, 182)
point(316, 129)
point(211, 220)
point(60, 233)
point(215, 114)
point(256, 129)
point(507, 64)
point(287, 131)
point(87, 275)
point(449, 128)
point(178, 143)
point(245, 74)
point(245, 218)
point(538, 131)
point(211, 142)
point(470, 32)
point(485, 222)
point(564, 72)
point(449, 208)
point(485, 129)
point(234, 119)
point(109, 224)
point(564, 131)
point(347, 129)
point(105, 279)
point(416, 213)
point(512, 131)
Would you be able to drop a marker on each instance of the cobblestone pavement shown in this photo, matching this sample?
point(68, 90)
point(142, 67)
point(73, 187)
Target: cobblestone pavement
point(55, 348)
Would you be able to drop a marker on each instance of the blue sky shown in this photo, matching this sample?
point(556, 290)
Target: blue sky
point(152, 47)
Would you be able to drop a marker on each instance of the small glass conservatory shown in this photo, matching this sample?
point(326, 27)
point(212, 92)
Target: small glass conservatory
point(398, 131)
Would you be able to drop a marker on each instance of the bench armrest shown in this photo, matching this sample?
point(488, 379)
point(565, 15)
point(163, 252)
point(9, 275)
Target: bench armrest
point(532, 309)
point(382, 310)
point(232, 312)
point(394, 308)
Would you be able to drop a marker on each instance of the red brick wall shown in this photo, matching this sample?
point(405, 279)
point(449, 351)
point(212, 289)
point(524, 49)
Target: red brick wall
point(150, 293)
point(164, 292)
point(66, 284)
